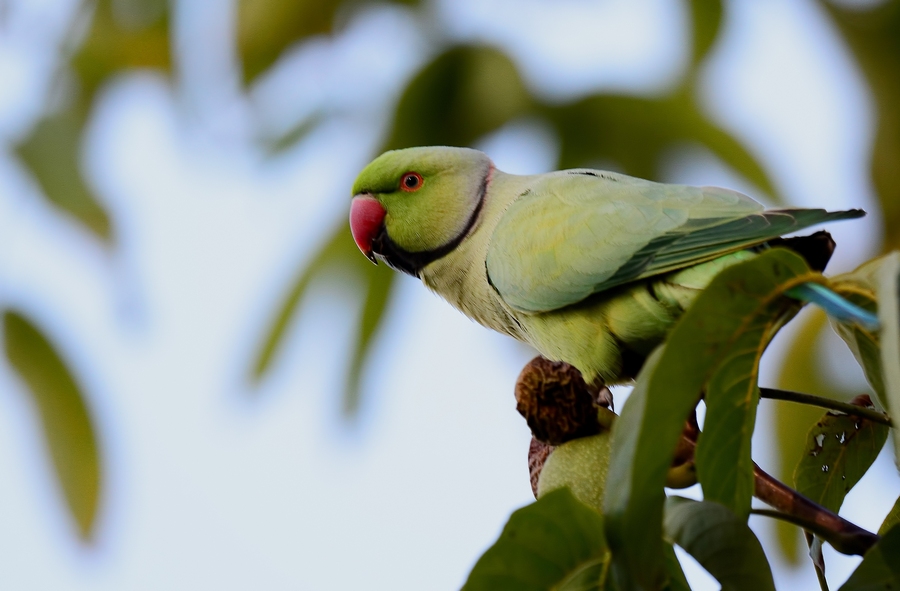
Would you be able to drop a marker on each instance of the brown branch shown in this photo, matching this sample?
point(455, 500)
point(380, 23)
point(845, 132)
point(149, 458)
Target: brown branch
point(844, 536)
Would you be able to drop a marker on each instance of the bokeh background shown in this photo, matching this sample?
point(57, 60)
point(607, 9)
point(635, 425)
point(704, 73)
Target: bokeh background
point(204, 385)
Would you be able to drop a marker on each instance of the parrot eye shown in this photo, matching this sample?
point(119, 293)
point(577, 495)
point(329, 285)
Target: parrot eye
point(411, 181)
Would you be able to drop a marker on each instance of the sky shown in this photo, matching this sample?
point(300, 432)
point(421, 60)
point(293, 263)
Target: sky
point(212, 483)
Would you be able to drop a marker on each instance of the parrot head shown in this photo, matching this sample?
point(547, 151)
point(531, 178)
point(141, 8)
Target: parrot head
point(411, 207)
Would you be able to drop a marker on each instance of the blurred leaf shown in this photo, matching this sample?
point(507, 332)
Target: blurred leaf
point(874, 38)
point(720, 541)
point(463, 94)
point(636, 133)
point(880, 568)
point(267, 27)
point(706, 16)
point(133, 35)
point(876, 283)
point(800, 372)
point(839, 450)
point(53, 155)
point(554, 543)
point(67, 425)
point(340, 253)
point(742, 304)
point(293, 136)
point(379, 282)
point(888, 293)
point(892, 519)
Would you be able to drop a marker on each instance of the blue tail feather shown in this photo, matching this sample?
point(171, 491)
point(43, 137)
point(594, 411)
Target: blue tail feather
point(835, 305)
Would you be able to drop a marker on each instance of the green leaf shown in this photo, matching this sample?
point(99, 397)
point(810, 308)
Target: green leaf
point(677, 580)
point(724, 464)
point(755, 311)
point(839, 450)
point(801, 372)
point(638, 464)
point(52, 153)
point(880, 568)
point(66, 422)
point(742, 304)
point(133, 35)
point(461, 95)
point(706, 17)
point(380, 281)
point(892, 519)
point(636, 133)
point(554, 543)
point(876, 284)
point(873, 35)
point(267, 27)
point(888, 293)
point(339, 254)
point(720, 541)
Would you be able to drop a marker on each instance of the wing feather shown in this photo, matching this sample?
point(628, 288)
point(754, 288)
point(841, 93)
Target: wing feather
point(576, 233)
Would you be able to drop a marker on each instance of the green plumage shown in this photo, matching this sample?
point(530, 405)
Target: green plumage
point(589, 267)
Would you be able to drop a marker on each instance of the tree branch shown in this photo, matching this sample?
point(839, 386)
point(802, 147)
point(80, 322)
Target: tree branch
point(845, 537)
point(844, 407)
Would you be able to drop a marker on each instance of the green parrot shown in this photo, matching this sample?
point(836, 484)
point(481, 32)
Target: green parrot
point(587, 266)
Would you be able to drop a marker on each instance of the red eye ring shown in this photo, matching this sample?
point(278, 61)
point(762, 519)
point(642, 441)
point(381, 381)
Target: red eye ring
point(411, 181)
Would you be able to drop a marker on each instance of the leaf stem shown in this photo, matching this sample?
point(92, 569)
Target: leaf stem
point(844, 407)
point(818, 561)
point(823, 583)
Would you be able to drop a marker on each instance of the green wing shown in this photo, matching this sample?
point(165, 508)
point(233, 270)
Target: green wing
point(580, 232)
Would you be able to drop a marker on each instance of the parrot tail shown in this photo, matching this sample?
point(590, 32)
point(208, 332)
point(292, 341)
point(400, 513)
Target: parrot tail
point(817, 249)
point(835, 305)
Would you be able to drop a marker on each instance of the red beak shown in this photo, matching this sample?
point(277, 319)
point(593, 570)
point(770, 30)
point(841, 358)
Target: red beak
point(366, 218)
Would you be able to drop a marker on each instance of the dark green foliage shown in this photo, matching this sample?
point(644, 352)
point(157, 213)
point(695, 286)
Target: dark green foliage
point(892, 519)
point(880, 569)
point(737, 313)
point(839, 450)
point(720, 541)
point(555, 543)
